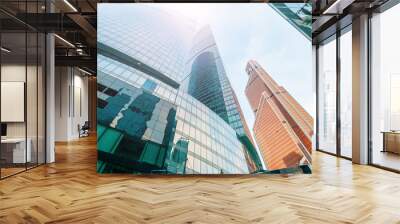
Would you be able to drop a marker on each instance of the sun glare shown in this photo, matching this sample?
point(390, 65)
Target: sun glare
point(200, 13)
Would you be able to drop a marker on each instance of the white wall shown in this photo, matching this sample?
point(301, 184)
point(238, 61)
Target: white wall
point(33, 127)
point(80, 110)
point(12, 73)
point(71, 102)
point(61, 103)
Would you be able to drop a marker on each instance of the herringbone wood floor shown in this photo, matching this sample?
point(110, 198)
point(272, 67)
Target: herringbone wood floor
point(70, 191)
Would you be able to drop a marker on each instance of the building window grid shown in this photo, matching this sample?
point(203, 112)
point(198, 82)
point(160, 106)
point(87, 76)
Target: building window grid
point(164, 92)
point(189, 130)
point(150, 49)
point(212, 119)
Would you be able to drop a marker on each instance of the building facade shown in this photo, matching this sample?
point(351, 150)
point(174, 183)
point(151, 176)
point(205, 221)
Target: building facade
point(297, 14)
point(283, 128)
point(149, 120)
point(207, 82)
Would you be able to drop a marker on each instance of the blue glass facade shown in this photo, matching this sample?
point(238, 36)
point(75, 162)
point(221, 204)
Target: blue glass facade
point(205, 86)
point(297, 14)
point(208, 83)
point(135, 127)
point(148, 119)
point(147, 34)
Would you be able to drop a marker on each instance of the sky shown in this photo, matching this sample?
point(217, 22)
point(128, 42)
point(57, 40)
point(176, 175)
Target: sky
point(256, 31)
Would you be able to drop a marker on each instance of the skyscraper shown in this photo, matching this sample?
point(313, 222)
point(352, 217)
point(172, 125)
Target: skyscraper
point(207, 82)
point(283, 128)
point(154, 114)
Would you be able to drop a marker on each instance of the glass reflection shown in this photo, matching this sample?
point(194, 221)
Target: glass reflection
point(327, 96)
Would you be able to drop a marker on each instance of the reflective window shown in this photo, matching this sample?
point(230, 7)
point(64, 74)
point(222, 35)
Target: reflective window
point(346, 94)
point(327, 96)
point(22, 93)
point(149, 85)
point(385, 89)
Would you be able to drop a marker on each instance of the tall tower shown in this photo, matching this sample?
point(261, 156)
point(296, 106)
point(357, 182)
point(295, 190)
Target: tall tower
point(207, 82)
point(148, 122)
point(283, 128)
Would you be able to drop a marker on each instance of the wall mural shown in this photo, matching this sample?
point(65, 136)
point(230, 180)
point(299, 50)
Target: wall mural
point(174, 99)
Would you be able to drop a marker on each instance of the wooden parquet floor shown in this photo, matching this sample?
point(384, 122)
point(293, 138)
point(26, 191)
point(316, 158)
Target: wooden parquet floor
point(70, 191)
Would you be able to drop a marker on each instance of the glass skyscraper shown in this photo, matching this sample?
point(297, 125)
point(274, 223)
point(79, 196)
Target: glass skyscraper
point(165, 104)
point(207, 82)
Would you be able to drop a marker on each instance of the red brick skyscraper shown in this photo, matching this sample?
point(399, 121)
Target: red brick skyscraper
point(283, 129)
